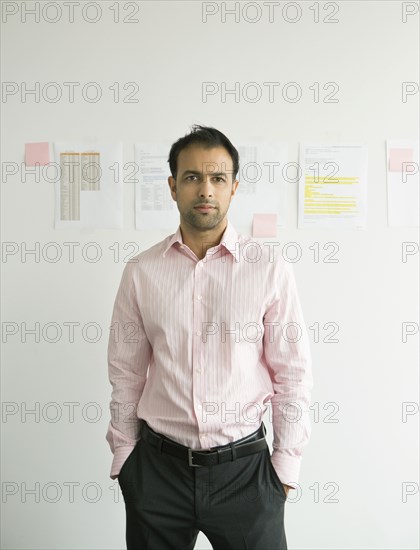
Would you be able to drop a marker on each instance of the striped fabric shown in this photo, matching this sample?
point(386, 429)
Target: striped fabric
point(201, 349)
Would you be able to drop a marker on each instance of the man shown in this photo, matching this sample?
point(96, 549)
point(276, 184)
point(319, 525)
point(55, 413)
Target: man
point(207, 330)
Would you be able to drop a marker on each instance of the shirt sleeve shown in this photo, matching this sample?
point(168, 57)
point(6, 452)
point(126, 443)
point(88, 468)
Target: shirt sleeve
point(129, 353)
point(288, 359)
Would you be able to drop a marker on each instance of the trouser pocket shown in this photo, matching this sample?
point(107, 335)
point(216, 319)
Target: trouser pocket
point(127, 463)
point(273, 474)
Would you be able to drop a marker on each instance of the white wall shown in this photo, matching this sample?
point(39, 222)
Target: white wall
point(370, 452)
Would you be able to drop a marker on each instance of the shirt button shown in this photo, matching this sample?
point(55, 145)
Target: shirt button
point(199, 297)
point(198, 372)
point(198, 333)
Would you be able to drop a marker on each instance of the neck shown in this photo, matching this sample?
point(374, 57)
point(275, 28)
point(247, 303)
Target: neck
point(200, 241)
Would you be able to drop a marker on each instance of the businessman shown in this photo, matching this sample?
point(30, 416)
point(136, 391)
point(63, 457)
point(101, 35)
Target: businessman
point(207, 333)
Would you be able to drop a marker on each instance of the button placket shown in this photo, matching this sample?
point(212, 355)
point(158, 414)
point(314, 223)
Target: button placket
point(197, 340)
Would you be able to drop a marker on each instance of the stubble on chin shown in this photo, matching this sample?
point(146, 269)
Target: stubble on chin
point(203, 221)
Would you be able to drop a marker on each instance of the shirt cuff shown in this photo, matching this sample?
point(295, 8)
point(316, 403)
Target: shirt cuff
point(287, 468)
point(120, 456)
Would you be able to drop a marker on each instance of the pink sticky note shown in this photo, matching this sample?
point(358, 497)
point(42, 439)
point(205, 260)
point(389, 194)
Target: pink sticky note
point(37, 153)
point(264, 225)
point(397, 157)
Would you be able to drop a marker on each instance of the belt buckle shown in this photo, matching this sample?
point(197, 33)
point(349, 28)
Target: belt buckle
point(190, 459)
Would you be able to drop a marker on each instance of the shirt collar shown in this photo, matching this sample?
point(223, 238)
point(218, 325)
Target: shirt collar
point(229, 240)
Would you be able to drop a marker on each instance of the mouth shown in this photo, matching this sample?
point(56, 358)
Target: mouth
point(204, 208)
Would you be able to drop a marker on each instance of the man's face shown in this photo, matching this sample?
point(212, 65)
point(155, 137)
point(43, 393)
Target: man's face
point(204, 177)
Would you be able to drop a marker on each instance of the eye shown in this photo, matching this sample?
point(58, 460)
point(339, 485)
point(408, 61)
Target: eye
point(219, 179)
point(191, 178)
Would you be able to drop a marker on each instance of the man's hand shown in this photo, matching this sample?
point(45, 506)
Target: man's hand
point(286, 488)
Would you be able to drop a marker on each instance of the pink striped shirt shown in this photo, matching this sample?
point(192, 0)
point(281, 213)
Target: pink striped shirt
point(201, 349)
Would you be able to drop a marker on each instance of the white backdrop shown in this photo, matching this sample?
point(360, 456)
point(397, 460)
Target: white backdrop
point(359, 477)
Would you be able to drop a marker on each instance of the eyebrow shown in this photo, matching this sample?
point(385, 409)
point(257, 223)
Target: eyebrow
point(197, 173)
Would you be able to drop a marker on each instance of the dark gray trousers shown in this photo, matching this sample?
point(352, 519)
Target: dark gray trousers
point(238, 505)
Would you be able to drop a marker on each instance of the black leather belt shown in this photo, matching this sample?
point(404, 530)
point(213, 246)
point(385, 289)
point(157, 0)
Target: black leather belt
point(248, 445)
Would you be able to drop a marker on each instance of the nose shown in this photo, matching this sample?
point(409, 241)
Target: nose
point(206, 187)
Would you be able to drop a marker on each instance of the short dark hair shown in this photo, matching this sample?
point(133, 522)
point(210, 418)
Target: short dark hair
point(207, 137)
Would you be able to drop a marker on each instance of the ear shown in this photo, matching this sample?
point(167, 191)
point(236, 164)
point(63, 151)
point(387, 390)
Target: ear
point(234, 187)
point(172, 187)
